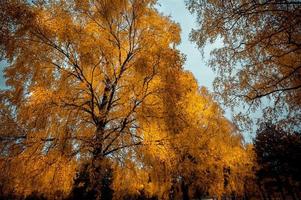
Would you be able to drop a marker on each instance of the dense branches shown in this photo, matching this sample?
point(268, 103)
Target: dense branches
point(99, 91)
point(80, 74)
point(90, 66)
point(277, 154)
point(260, 56)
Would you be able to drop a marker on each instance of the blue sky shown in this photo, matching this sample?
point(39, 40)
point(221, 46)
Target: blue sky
point(2, 82)
point(176, 9)
point(195, 63)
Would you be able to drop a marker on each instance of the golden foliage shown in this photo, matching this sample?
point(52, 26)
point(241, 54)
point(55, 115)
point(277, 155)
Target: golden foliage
point(102, 84)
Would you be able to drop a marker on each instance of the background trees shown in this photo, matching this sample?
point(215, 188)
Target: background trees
point(259, 64)
point(260, 57)
point(277, 153)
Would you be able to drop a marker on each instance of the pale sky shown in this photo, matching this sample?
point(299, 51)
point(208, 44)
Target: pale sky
point(176, 9)
point(195, 63)
point(2, 82)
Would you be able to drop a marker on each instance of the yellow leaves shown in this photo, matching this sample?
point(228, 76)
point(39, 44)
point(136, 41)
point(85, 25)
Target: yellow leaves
point(156, 144)
point(128, 180)
point(97, 77)
point(194, 138)
point(57, 21)
point(40, 174)
point(39, 95)
point(162, 32)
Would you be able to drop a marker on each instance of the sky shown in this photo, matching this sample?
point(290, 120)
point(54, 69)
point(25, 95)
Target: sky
point(2, 82)
point(176, 9)
point(195, 63)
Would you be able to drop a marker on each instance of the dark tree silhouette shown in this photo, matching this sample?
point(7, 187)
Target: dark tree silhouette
point(84, 188)
point(278, 153)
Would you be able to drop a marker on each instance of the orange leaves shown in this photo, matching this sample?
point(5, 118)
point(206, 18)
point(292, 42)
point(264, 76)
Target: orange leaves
point(128, 180)
point(39, 95)
point(99, 82)
point(162, 32)
point(56, 21)
point(40, 174)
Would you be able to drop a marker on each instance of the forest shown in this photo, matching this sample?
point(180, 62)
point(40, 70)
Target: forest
point(98, 105)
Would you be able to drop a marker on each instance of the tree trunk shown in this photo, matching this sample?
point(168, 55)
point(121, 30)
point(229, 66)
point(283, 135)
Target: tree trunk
point(291, 189)
point(262, 192)
point(280, 187)
point(97, 161)
point(185, 188)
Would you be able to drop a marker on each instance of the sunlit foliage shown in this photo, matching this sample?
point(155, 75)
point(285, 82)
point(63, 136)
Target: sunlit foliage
point(98, 106)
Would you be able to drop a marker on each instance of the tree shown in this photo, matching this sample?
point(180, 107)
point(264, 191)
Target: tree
point(278, 153)
point(83, 187)
point(194, 149)
point(260, 56)
point(210, 157)
point(100, 90)
point(81, 74)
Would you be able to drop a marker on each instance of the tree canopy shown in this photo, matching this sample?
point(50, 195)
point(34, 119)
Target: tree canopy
point(277, 153)
point(98, 106)
point(259, 61)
